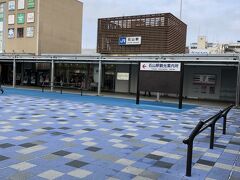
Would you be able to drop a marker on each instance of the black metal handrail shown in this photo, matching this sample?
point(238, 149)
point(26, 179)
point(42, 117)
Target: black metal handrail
point(61, 85)
point(200, 127)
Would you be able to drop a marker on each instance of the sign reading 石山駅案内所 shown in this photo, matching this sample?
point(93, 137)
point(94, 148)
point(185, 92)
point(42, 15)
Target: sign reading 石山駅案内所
point(160, 67)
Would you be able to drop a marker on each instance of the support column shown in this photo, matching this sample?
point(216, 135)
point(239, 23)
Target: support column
point(158, 96)
point(238, 85)
point(14, 73)
point(52, 75)
point(99, 77)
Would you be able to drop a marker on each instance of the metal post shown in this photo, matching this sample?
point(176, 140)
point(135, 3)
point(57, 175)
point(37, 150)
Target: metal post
point(224, 124)
point(189, 159)
point(181, 10)
point(212, 136)
point(14, 73)
point(138, 80)
point(181, 87)
point(99, 77)
point(52, 75)
point(238, 84)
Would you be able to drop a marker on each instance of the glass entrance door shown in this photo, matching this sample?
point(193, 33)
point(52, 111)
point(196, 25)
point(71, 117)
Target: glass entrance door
point(109, 77)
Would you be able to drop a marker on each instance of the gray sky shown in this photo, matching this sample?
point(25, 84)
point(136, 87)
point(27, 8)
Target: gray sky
point(219, 20)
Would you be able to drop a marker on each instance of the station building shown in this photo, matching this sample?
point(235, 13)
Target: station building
point(143, 34)
point(40, 26)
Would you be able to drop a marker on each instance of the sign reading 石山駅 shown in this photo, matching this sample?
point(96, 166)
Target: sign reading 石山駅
point(31, 4)
point(160, 67)
point(21, 18)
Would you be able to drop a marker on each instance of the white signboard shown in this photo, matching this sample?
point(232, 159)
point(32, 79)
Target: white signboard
point(160, 67)
point(30, 32)
point(133, 40)
point(11, 5)
point(123, 76)
point(11, 33)
point(30, 17)
point(11, 19)
point(136, 40)
point(199, 51)
point(21, 4)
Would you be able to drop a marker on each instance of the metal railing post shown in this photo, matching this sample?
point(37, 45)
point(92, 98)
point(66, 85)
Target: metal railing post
point(224, 123)
point(189, 159)
point(212, 136)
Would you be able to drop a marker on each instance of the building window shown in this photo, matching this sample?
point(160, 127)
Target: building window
point(30, 32)
point(11, 5)
point(10, 33)
point(30, 17)
point(11, 19)
point(20, 32)
point(21, 18)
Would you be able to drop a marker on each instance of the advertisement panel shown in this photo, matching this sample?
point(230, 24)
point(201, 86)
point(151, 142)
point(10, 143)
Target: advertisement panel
point(31, 4)
point(21, 18)
point(11, 5)
point(123, 76)
point(21, 4)
point(30, 17)
point(160, 67)
point(11, 19)
point(30, 32)
point(11, 34)
point(136, 40)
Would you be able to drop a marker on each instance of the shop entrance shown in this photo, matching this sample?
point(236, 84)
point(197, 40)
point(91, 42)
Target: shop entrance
point(109, 77)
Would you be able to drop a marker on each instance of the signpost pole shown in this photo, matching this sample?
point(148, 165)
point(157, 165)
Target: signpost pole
point(52, 75)
point(138, 79)
point(14, 72)
point(238, 85)
point(99, 77)
point(181, 86)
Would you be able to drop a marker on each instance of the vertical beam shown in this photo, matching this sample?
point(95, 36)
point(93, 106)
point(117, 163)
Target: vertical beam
point(99, 77)
point(22, 72)
point(52, 75)
point(14, 73)
point(181, 86)
point(138, 85)
point(238, 85)
point(130, 77)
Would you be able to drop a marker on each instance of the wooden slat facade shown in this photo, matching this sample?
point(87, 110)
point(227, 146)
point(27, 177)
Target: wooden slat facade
point(160, 33)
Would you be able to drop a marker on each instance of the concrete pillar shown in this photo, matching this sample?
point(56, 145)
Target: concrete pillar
point(99, 77)
point(52, 75)
point(14, 73)
point(238, 85)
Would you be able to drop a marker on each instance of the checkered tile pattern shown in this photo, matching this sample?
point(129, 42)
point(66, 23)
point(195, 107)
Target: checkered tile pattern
point(42, 138)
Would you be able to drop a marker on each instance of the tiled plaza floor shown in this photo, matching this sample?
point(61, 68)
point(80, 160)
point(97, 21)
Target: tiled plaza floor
point(42, 137)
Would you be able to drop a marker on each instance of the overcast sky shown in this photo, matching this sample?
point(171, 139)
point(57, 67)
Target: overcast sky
point(219, 20)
